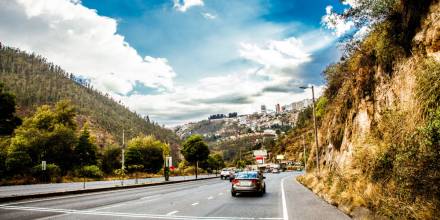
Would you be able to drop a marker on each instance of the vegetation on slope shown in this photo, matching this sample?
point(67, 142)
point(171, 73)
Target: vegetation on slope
point(36, 82)
point(379, 135)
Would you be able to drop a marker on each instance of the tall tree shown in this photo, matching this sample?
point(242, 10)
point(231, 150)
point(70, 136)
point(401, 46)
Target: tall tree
point(8, 120)
point(194, 149)
point(85, 150)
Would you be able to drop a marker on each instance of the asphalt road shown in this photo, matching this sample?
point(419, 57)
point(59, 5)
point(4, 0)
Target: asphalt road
point(6, 191)
point(205, 199)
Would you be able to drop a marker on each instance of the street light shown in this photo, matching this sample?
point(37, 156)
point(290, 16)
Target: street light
point(314, 123)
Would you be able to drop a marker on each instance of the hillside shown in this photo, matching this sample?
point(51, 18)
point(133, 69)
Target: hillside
point(237, 136)
point(35, 81)
point(379, 135)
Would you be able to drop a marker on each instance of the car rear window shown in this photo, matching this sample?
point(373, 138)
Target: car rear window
point(247, 175)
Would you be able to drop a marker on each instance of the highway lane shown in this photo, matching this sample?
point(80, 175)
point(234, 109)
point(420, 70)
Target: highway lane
point(16, 190)
point(206, 199)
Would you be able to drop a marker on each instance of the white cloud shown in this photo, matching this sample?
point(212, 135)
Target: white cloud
point(242, 91)
point(280, 54)
point(336, 22)
point(209, 16)
point(351, 3)
point(82, 42)
point(184, 5)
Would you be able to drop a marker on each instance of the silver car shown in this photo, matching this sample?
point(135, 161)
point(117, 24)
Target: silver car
point(248, 182)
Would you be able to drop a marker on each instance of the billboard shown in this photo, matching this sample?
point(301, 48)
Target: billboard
point(260, 153)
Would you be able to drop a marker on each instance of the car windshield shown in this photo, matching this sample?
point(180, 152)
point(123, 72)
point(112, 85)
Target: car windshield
point(245, 175)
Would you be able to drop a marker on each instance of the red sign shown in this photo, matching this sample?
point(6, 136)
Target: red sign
point(171, 167)
point(259, 157)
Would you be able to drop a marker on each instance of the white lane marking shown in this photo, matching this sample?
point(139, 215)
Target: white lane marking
point(164, 187)
point(209, 198)
point(172, 213)
point(194, 204)
point(119, 214)
point(283, 197)
point(220, 194)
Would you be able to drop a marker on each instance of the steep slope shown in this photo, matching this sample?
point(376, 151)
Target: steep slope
point(380, 136)
point(35, 81)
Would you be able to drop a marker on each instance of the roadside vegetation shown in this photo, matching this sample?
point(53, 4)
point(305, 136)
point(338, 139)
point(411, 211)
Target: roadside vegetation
point(70, 152)
point(379, 117)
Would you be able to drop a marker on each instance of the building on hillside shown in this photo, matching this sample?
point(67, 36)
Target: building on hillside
point(277, 108)
point(263, 109)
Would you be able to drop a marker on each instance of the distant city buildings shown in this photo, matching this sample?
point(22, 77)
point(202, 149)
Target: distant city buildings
point(263, 109)
point(277, 108)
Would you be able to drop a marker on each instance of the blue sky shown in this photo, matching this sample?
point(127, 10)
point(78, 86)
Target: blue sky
point(156, 29)
point(182, 60)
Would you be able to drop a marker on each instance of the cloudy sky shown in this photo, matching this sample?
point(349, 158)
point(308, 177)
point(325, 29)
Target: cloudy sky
point(182, 60)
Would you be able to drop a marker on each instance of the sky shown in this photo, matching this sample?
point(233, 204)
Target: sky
point(179, 61)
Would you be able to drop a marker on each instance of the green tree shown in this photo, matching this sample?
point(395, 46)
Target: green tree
point(48, 135)
point(146, 151)
point(111, 159)
point(215, 162)
point(8, 120)
point(85, 150)
point(194, 149)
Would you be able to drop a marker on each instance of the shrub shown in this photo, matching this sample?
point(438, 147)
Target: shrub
point(111, 159)
point(18, 162)
point(52, 171)
point(428, 85)
point(91, 171)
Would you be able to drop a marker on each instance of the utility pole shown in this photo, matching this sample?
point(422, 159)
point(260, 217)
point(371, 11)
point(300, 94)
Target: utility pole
point(316, 131)
point(305, 158)
point(123, 155)
point(314, 124)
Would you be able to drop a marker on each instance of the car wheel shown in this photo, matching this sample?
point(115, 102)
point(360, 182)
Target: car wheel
point(234, 194)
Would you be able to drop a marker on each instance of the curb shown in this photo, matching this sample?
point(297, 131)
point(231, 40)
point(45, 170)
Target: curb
point(83, 191)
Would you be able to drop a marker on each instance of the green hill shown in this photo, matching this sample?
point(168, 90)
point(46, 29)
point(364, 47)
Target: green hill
point(35, 81)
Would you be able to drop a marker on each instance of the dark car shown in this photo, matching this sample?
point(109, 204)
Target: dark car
point(248, 182)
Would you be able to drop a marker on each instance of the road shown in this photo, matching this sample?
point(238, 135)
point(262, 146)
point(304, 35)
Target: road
point(17, 190)
point(205, 199)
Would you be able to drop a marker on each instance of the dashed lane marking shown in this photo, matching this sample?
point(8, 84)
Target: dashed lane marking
point(122, 214)
point(209, 198)
point(172, 213)
point(194, 204)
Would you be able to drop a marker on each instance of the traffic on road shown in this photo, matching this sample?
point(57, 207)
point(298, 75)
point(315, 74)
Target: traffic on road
point(284, 198)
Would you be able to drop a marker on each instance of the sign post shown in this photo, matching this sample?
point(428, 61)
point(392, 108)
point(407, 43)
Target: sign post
point(166, 169)
point(43, 168)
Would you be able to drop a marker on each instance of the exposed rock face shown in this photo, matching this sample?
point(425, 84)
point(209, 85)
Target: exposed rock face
point(429, 37)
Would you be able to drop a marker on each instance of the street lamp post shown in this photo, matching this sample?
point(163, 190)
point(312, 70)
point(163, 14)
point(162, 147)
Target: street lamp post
point(305, 158)
point(314, 124)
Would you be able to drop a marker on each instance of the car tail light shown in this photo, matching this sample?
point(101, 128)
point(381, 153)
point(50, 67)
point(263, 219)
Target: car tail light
point(254, 182)
point(235, 182)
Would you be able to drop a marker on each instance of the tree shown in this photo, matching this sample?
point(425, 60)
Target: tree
point(146, 151)
point(85, 150)
point(195, 150)
point(215, 162)
point(111, 159)
point(48, 135)
point(8, 120)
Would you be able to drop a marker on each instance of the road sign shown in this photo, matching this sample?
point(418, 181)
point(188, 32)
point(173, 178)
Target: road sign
point(43, 165)
point(168, 161)
point(260, 153)
point(280, 157)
